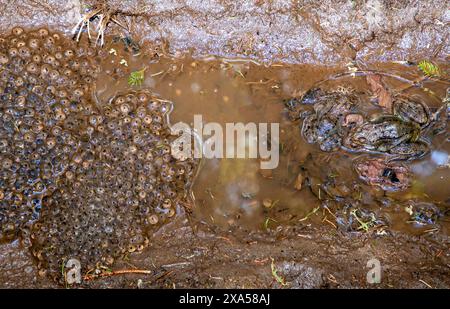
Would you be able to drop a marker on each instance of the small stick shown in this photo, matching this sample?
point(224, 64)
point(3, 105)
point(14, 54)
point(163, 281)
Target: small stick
point(328, 209)
point(117, 272)
point(328, 221)
point(425, 283)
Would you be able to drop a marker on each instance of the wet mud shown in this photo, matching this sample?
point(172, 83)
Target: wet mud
point(315, 32)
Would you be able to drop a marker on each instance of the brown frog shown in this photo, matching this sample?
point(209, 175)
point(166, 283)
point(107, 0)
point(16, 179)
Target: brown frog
point(412, 110)
point(323, 124)
point(381, 134)
point(409, 150)
point(335, 121)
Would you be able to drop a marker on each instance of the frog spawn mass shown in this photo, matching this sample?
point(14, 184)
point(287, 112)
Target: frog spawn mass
point(43, 78)
point(87, 180)
point(121, 183)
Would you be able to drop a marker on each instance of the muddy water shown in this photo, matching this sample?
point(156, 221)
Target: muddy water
point(236, 192)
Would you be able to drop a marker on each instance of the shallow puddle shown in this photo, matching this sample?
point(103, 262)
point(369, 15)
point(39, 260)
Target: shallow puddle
point(236, 192)
point(113, 165)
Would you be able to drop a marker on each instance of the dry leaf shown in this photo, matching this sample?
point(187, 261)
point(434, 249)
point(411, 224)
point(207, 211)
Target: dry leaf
point(379, 91)
point(267, 202)
point(266, 173)
point(298, 182)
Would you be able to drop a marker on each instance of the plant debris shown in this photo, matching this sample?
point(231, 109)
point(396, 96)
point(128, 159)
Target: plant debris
point(310, 214)
point(429, 68)
point(105, 16)
point(136, 78)
point(380, 92)
point(275, 274)
point(363, 225)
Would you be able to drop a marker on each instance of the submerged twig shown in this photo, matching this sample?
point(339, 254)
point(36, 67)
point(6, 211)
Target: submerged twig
point(309, 214)
point(117, 272)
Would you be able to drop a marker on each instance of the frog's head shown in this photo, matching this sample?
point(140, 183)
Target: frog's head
point(412, 110)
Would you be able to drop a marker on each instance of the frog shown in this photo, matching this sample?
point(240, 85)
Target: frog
point(323, 125)
point(409, 150)
point(381, 134)
point(322, 131)
point(389, 176)
point(308, 98)
point(424, 213)
point(412, 110)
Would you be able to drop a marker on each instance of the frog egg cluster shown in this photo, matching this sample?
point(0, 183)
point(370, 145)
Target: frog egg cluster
point(43, 79)
point(120, 185)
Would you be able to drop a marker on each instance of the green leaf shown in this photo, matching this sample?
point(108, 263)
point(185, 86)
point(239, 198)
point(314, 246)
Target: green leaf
point(275, 274)
point(136, 78)
point(429, 69)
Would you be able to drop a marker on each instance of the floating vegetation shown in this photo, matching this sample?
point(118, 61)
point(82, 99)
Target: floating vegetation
point(136, 78)
point(429, 69)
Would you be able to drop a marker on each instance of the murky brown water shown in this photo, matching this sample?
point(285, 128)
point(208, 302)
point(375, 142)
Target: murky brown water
point(231, 192)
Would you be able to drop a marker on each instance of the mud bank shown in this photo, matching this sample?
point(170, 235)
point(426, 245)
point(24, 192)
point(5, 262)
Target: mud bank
point(304, 256)
point(316, 32)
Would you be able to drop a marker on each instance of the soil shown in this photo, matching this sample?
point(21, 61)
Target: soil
point(318, 32)
point(213, 242)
